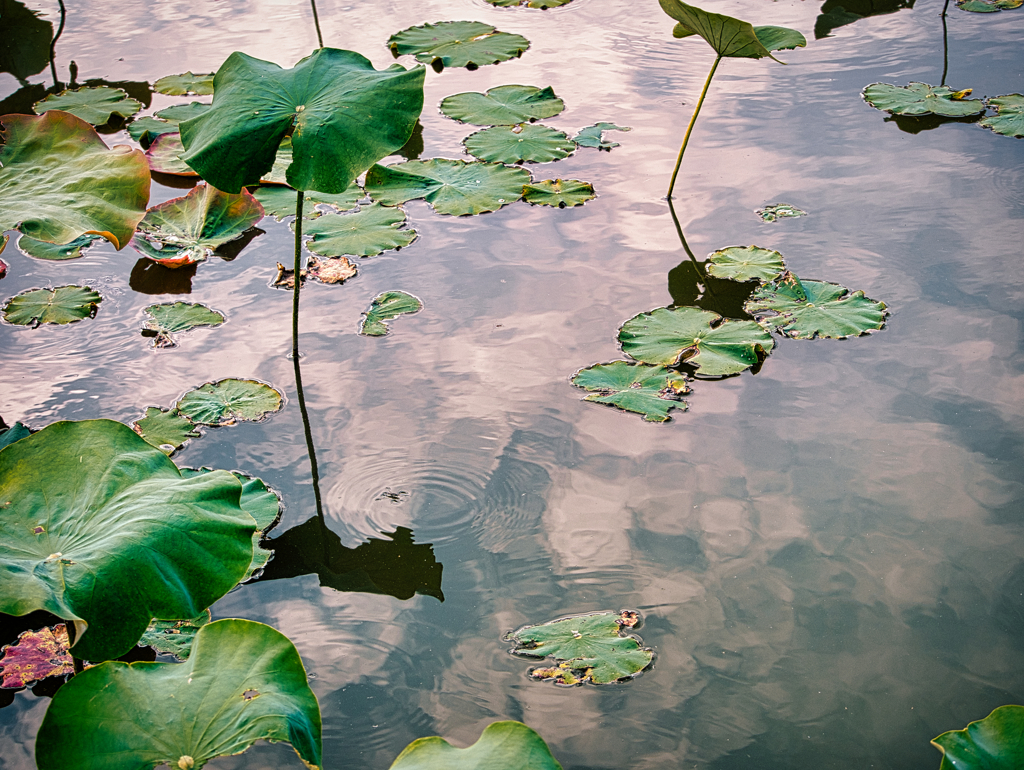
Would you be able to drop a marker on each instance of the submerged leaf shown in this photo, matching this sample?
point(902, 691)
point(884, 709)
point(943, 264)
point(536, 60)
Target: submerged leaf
point(1009, 117)
point(559, 192)
point(922, 99)
point(279, 202)
point(746, 263)
point(174, 637)
point(728, 36)
point(809, 309)
point(226, 401)
point(469, 44)
point(527, 143)
point(164, 320)
point(593, 136)
point(37, 655)
point(367, 232)
point(330, 270)
point(51, 251)
point(648, 390)
point(385, 306)
point(503, 106)
point(186, 84)
point(504, 745)
point(993, 743)
point(63, 305)
point(166, 429)
point(93, 105)
point(450, 186)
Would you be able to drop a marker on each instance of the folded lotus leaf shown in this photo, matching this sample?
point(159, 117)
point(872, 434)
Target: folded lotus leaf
point(166, 429)
point(469, 44)
point(593, 136)
point(1009, 117)
point(164, 320)
point(728, 36)
point(226, 401)
point(63, 305)
point(452, 187)
point(243, 682)
point(652, 391)
point(367, 232)
point(94, 105)
point(36, 655)
point(504, 745)
point(279, 201)
point(185, 84)
point(527, 143)
point(922, 99)
point(809, 309)
point(51, 251)
point(503, 106)
point(385, 306)
point(993, 743)
point(559, 192)
point(102, 529)
point(174, 637)
point(746, 263)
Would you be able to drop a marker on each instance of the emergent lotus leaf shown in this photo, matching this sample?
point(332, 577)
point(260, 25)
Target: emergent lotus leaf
point(503, 106)
point(279, 201)
point(648, 390)
point(42, 250)
point(367, 232)
point(746, 263)
point(185, 84)
point(729, 36)
point(243, 682)
point(922, 99)
point(809, 309)
point(101, 529)
point(559, 192)
point(993, 743)
point(164, 320)
point(470, 44)
point(166, 429)
point(504, 745)
point(174, 637)
point(1009, 117)
point(593, 136)
point(63, 305)
point(385, 306)
point(224, 402)
point(519, 144)
point(36, 655)
point(988, 6)
point(450, 186)
point(93, 105)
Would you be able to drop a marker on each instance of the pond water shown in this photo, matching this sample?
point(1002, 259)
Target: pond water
point(829, 553)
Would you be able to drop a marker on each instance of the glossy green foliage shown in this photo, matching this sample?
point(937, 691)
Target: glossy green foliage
point(809, 309)
point(167, 319)
point(652, 391)
point(342, 114)
point(164, 155)
point(227, 401)
point(78, 185)
point(102, 530)
point(746, 263)
point(993, 743)
point(593, 136)
point(527, 143)
point(174, 637)
point(243, 682)
point(450, 186)
point(922, 99)
point(503, 106)
point(145, 130)
point(1009, 117)
point(469, 44)
point(51, 251)
point(26, 44)
point(730, 37)
point(590, 648)
point(562, 193)
point(385, 306)
point(63, 305)
point(777, 211)
point(988, 6)
point(279, 202)
point(166, 429)
point(15, 433)
point(93, 105)
point(372, 230)
point(185, 84)
point(501, 746)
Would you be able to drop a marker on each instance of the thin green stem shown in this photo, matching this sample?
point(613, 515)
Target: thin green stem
point(689, 128)
point(53, 45)
point(299, 197)
point(945, 45)
point(316, 21)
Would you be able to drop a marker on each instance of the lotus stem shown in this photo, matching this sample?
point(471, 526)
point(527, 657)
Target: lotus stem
point(689, 128)
point(53, 44)
point(945, 45)
point(316, 21)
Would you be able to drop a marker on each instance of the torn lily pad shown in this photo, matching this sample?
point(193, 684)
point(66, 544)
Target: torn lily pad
point(586, 648)
point(93, 105)
point(167, 319)
point(503, 106)
point(62, 305)
point(809, 309)
point(527, 143)
point(746, 263)
point(279, 201)
point(185, 84)
point(286, 277)
point(36, 655)
point(454, 187)
point(593, 136)
point(330, 270)
point(1009, 117)
point(227, 401)
point(164, 156)
point(504, 745)
point(993, 743)
point(469, 44)
point(777, 211)
point(174, 637)
point(386, 306)
point(42, 250)
point(652, 391)
point(922, 99)
point(367, 232)
point(559, 192)
point(166, 429)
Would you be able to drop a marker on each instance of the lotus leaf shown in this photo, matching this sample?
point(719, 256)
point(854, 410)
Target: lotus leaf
point(663, 336)
point(559, 192)
point(93, 105)
point(746, 263)
point(988, 6)
point(146, 129)
point(243, 682)
point(542, 4)
point(808, 309)
point(15, 433)
point(367, 232)
point(993, 743)
point(342, 114)
point(279, 202)
point(102, 530)
point(470, 44)
point(648, 390)
point(186, 84)
point(186, 230)
point(178, 113)
point(386, 306)
point(922, 99)
point(593, 136)
point(777, 211)
point(26, 45)
point(503, 106)
point(450, 186)
point(504, 745)
point(330, 270)
point(518, 144)
point(77, 186)
point(164, 155)
point(165, 320)
point(63, 305)
point(730, 37)
point(226, 401)
point(1009, 117)
point(51, 251)
point(37, 655)
point(166, 429)
point(587, 648)
point(174, 637)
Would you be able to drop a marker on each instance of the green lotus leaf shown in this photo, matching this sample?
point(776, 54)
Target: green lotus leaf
point(224, 402)
point(450, 186)
point(663, 336)
point(1009, 117)
point(993, 743)
point(518, 144)
point(78, 185)
point(730, 37)
point(386, 306)
point(922, 99)
point(777, 211)
point(342, 114)
point(808, 309)
point(15, 433)
point(186, 230)
point(501, 746)
point(988, 6)
point(146, 129)
point(648, 390)
point(42, 250)
point(166, 429)
point(63, 305)
point(243, 682)
point(593, 136)
point(174, 637)
point(26, 46)
point(186, 84)
point(470, 44)
point(102, 530)
point(164, 155)
point(164, 320)
point(503, 106)
point(178, 113)
point(93, 105)
point(279, 202)
point(746, 263)
point(542, 4)
point(559, 192)
point(586, 648)
point(367, 232)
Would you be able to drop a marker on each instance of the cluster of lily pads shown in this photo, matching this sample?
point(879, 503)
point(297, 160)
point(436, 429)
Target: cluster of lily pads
point(920, 99)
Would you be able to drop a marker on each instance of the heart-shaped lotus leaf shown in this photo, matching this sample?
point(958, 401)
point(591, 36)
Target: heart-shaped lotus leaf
point(542, 4)
point(185, 84)
point(504, 745)
point(527, 143)
point(808, 309)
point(329, 270)
point(78, 185)
point(586, 648)
point(470, 44)
point(988, 6)
point(648, 390)
point(174, 637)
point(101, 529)
point(42, 250)
point(777, 211)
point(367, 232)
point(559, 192)
point(1009, 117)
point(183, 231)
point(593, 136)
point(164, 320)
point(94, 105)
point(37, 655)
point(922, 99)
point(746, 263)
point(164, 155)
point(26, 46)
point(243, 682)
point(728, 36)
point(342, 114)
point(16, 432)
point(166, 429)
point(699, 337)
point(279, 201)
point(993, 743)
point(63, 305)
point(386, 306)
point(450, 186)
point(503, 106)
point(227, 401)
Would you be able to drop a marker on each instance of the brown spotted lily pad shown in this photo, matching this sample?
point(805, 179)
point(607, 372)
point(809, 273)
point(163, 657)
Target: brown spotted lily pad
point(36, 655)
point(330, 269)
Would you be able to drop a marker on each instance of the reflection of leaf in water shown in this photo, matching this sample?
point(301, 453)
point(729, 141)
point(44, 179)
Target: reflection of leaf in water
point(838, 13)
point(690, 286)
point(25, 46)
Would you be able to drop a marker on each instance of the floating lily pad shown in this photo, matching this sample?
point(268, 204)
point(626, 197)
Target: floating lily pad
point(809, 309)
point(542, 4)
point(559, 192)
point(746, 263)
point(16, 432)
point(518, 144)
point(777, 211)
point(227, 401)
point(185, 84)
point(586, 648)
point(372, 230)
point(503, 106)
point(1009, 117)
point(63, 305)
point(164, 155)
point(386, 306)
point(450, 186)
point(730, 37)
point(922, 99)
point(593, 136)
point(329, 270)
point(174, 637)
point(37, 655)
point(648, 390)
point(243, 682)
point(166, 429)
point(470, 44)
point(988, 6)
point(51, 251)
point(145, 130)
point(279, 202)
point(697, 337)
point(504, 745)
point(165, 320)
point(993, 743)
point(93, 105)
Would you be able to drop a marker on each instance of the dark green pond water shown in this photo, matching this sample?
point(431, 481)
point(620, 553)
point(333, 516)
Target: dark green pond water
point(829, 554)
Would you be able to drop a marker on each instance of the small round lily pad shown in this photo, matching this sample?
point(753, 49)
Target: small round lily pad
point(809, 309)
point(185, 84)
point(503, 106)
point(652, 391)
point(746, 263)
point(470, 44)
point(454, 187)
point(1009, 117)
point(367, 232)
point(518, 144)
point(559, 192)
point(227, 401)
point(62, 305)
point(164, 320)
point(94, 105)
point(922, 99)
